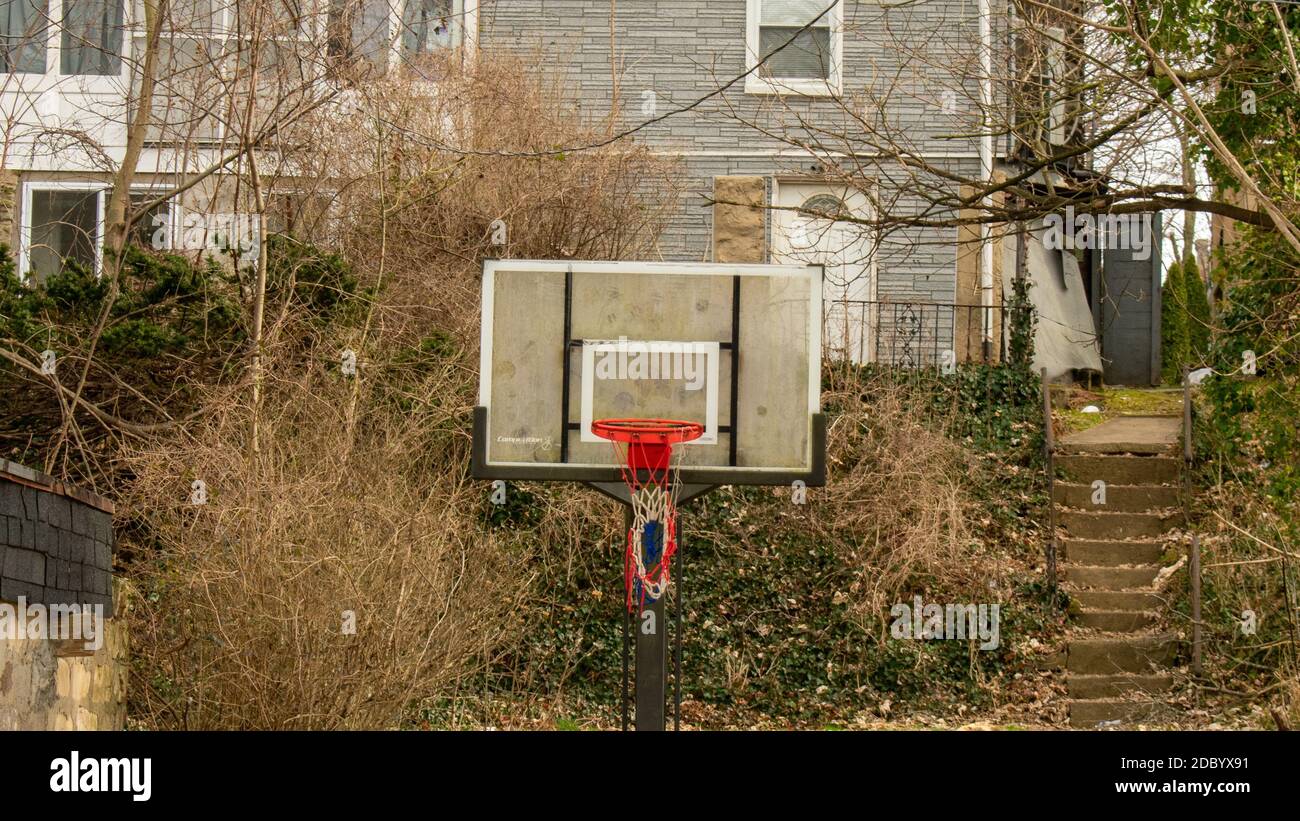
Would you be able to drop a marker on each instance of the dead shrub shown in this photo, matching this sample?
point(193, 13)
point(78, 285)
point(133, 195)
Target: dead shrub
point(431, 182)
point(897, 501)
point(359, 499)
point(246, 597)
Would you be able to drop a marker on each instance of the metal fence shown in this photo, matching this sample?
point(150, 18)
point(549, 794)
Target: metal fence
point(913, 334)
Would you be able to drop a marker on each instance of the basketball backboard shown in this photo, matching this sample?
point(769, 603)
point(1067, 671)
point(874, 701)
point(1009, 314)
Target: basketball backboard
point(736, 348)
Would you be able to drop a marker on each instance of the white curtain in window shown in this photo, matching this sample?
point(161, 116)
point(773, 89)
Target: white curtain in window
point(92, 37)
point(22, 35)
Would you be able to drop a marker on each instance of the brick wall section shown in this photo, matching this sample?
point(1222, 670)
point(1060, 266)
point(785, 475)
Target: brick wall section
point(56, 541)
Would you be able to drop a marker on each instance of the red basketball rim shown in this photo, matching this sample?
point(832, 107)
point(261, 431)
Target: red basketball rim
point(658, 431)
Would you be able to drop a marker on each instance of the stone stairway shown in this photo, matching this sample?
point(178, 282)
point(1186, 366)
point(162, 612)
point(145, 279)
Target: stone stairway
point(1117, 655)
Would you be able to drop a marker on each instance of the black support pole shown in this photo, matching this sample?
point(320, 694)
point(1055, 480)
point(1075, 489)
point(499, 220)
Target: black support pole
point(651, 663)
point(627, 633)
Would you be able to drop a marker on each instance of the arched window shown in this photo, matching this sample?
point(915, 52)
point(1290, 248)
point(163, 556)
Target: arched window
point(826, 206)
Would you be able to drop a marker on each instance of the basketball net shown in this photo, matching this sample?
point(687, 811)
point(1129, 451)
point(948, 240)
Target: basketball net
point(644, 454)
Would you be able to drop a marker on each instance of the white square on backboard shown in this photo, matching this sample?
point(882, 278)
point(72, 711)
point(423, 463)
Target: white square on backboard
point(710, 350)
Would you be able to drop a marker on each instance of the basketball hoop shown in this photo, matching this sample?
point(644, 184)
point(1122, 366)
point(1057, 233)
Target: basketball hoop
point(644, 451)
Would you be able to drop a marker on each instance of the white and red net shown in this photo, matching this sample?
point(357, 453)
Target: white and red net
point(644, 449)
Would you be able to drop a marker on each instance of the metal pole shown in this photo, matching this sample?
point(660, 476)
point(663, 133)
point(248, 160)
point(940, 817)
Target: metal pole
point(627, 631)
point(1049, 448)
point(651, 661)
point(1187, 449)
point(1195, 571)
point(679, 603)
point(1194, 560)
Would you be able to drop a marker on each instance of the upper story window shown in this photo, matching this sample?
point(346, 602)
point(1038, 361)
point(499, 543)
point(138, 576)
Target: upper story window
point(91, 40)
point(430, 25)
point(23, 32)
point(88, 37)
point(793, 47)
point(381, 31)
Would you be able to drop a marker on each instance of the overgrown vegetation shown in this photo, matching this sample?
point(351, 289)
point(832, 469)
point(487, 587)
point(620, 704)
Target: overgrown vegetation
point(1185, 324)
point(1247, 452)
point(346, 573)
point(936, 491)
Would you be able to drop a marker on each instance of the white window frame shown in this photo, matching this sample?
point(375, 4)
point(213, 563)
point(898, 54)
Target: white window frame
point(52, 77)
point(798, 86)
point(25, 237)
point(89, 83)
point(1057, 104)
point(459, 24)
point(175, 215)
point(217, 31)
point(467, 24)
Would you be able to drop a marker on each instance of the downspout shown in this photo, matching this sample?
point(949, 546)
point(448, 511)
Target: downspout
point(986, 171)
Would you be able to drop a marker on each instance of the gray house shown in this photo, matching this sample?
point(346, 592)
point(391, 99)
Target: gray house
point(778, 127)
point(813, 110)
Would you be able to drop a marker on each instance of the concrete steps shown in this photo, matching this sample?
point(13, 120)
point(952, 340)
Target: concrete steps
point(1093, 713)
point(1112, 553)
point(1118, 498)
point(1117, 621)
point(1118, 470)
point(1109, 687)
point(1111, 578)
point(1118, 599)
point(1086, 524)
point(1121, 653)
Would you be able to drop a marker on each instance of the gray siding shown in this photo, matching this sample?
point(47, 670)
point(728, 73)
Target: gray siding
point(897, 62)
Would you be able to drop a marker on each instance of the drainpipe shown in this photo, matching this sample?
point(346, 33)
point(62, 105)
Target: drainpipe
point(986, 170)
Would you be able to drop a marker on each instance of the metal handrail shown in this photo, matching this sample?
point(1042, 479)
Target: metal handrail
point(911, 333)
point(1194, 551)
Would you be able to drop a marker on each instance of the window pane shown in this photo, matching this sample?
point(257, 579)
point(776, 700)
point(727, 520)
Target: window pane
point(428, 25)
point(64, 224)
point(92, 37)
point(808, 57)
point(152, 224)
point(184, 16)
point(187, 93)
point(266, 18)
point(795, 13)
point(359, 30)
point(23, 35)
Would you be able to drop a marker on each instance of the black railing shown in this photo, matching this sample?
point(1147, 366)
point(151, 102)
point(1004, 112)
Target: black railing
point(914, 334)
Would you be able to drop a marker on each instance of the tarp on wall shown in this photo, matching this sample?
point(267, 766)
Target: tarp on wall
point(1066, 337)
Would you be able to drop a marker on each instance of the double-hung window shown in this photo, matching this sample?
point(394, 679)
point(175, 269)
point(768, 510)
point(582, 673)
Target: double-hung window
point(794, 47)
point(384, 31)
